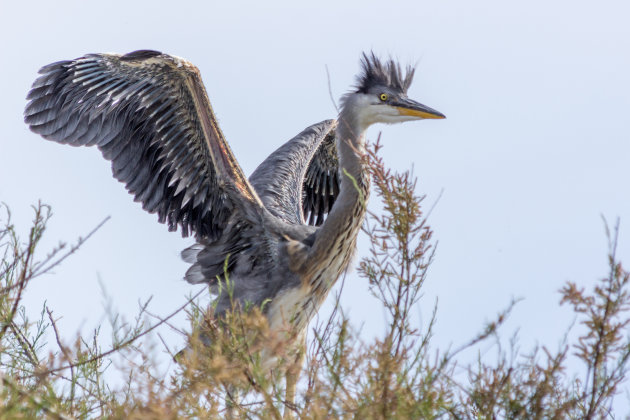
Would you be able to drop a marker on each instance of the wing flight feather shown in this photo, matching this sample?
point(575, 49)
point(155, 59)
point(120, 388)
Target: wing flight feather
point(299, 182)
point(149, 114)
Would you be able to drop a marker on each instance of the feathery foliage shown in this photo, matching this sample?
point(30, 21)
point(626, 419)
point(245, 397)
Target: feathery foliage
point(397, 375)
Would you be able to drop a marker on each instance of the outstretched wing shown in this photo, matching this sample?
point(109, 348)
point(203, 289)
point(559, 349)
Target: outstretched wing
point(299, 182)
point(150, 116)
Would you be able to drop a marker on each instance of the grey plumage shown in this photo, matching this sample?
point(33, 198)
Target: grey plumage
point(313, 151)
point(146, 119)
point(285, 235)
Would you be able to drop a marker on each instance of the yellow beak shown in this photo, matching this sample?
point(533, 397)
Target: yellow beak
point(415, 109)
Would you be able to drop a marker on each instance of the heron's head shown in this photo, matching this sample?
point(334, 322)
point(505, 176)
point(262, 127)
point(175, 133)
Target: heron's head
point(381, 95)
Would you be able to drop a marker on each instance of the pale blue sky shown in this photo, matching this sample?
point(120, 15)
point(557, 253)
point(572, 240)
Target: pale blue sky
point(535, 148)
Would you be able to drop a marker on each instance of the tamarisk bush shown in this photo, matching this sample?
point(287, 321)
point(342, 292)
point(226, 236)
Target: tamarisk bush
point(399, 374)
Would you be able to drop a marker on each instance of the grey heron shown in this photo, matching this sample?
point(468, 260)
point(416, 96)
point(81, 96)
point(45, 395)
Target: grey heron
point(289, 231)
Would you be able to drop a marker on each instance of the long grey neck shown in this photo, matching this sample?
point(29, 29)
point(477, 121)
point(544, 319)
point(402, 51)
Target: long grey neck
point(350, 146)
point(342, 224)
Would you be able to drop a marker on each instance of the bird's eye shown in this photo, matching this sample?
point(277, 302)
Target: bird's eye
point(384, 97)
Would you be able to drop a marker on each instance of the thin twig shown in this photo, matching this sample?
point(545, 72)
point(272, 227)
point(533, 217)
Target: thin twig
point(66, 355)
point(23, 277)
point(34, 399)
point(39, 269)
point(330, 93)
point(116, 348)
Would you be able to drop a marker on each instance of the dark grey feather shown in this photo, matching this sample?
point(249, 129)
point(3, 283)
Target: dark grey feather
point(289, 182)
point(142, 110)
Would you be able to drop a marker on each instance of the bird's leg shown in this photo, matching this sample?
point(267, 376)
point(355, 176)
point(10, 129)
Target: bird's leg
point(292, 376)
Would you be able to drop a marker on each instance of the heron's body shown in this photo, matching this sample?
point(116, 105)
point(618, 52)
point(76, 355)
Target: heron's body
point(284, 236)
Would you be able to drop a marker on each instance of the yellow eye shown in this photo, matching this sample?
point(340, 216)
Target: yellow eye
point(383, 97)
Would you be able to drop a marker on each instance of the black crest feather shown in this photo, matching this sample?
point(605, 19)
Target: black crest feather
point(388, 73)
